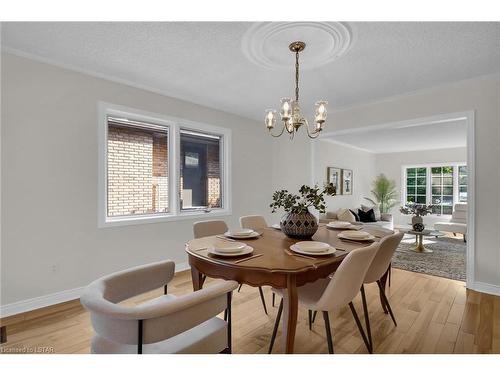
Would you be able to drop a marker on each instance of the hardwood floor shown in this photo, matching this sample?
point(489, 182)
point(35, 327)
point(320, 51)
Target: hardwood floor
point(434, 315)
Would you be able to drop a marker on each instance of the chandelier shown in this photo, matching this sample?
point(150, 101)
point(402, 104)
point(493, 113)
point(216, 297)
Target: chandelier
point(290, 109)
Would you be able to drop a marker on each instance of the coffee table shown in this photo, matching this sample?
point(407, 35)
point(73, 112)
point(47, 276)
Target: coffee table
point(419, 238)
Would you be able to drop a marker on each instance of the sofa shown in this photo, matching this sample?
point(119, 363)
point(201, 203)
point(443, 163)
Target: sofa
point(458, 222)
point(386, 220)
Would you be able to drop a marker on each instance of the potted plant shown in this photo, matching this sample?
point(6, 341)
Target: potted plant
point(417, 210)
point(385, 194)
point(298, 222)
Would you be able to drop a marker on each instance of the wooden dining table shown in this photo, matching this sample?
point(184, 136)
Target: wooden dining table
point(277, 267)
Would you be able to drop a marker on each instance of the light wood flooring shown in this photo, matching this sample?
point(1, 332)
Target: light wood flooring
point(435, 315)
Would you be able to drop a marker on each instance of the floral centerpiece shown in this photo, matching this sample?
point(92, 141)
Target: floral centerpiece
point(298, 222)
point(417, 210)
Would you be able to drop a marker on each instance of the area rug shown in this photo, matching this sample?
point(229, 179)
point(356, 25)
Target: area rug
point(447, 260)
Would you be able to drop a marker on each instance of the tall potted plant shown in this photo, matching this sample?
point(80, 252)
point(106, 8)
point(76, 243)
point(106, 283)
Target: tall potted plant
point(385, 193)
point(298, 222)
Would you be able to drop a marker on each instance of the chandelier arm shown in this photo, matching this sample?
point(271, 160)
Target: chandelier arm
point(311, 134)
point(279, 135)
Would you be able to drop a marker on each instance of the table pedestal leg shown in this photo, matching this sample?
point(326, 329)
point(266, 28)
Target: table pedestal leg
point(290, 309)
point(197, 278)
point(419, 245)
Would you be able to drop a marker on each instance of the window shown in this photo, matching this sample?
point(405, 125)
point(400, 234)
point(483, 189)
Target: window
point(153, 168)
point(442, 190)
point(416, 185)
point(200, 171)
point(137, 168)
point(441, 185)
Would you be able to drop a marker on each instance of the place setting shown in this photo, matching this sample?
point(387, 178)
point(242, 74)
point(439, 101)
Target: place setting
point(345, 225)
point(232, 249)
point(356, 236)
point(240, 234)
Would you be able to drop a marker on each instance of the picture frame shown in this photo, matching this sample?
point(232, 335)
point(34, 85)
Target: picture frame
point(334, 176)
point(347, 181)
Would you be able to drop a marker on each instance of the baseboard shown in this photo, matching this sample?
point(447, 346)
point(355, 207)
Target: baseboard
point(55, 298)
point(486, 288)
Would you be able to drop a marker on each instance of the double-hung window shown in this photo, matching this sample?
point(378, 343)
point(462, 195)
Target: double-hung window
point(153, 168)
point(441, 185)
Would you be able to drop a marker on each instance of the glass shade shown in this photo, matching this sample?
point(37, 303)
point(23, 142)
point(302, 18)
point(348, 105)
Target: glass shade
point(286, 109)
point(270, 118)
point(321, 112)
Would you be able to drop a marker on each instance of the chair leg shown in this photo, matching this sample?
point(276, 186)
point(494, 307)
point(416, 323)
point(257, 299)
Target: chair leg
point(314, 316)
point(328, 332)
point(310, 319)
point(386, 301)
point(367, 316)
point(360, 327)
point(276, 325)
point(139, 336)
point(465, 238)
point(229, 323)
point(262, 299)
point(390, 274)
point(274, 297)
point(240, 288)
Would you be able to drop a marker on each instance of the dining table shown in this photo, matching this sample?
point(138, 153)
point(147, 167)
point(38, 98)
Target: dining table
point(272, 263)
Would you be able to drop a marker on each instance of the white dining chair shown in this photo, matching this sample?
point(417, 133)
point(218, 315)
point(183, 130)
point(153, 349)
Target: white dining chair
point(380, 265)
point(253, 222)
point(213, 228)
point(332, 293)
point(166, 324)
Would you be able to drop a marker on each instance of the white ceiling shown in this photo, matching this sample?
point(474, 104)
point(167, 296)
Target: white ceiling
point(211, 63)
point(405, 138)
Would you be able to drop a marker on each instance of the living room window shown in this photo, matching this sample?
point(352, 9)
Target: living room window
point(153, 168)
point(441, 185)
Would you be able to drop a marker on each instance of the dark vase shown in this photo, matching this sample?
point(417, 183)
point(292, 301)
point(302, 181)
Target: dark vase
point(417, 222)
point(299, 225)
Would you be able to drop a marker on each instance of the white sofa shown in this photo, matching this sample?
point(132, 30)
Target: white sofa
point(386, 220)
point(458, 222)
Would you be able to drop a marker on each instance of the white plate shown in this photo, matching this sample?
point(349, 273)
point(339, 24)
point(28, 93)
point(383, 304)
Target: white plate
point(338, 224)
point(276, 226)
point(231, 235)
point(241, 232)
point(347, 237)
point(229, 247)
point(312, 246)
point(329, 251)
point(245, 251)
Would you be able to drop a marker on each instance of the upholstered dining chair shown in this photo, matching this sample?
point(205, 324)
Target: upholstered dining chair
point(253, 222)
point(332, 293)
point(167, 324)
point(380, 264)
point(213, 228)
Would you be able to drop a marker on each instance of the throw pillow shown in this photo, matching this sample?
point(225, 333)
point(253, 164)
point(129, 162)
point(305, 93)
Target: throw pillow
point(345, 215)
point(376, 210)
point(356, 216)
point(366, 217)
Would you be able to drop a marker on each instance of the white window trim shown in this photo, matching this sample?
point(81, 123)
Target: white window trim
point(428, 186)
point(174, 125)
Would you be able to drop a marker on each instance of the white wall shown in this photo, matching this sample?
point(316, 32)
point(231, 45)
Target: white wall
point(50, 239)
point(330, 154)
point(390, 164)
point(483, 96)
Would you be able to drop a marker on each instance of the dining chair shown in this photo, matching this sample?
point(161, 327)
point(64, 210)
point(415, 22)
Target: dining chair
point(166, 324)
point(213, 228)
point(253, 222)
point(334, 292)
point(380, 265)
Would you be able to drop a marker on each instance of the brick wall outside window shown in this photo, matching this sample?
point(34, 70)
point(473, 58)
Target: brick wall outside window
point(137, 171)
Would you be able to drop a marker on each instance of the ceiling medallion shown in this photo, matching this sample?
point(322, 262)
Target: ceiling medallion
point(264, 43)
point(290, 113)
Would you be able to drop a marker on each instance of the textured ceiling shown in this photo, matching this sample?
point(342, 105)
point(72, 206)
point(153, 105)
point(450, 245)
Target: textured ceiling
point(205, 63)
point(427, 136)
